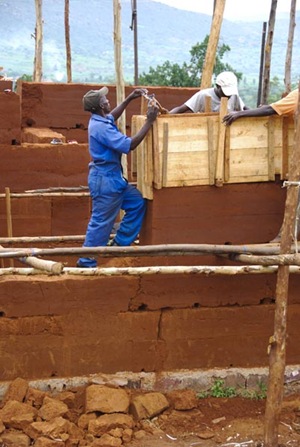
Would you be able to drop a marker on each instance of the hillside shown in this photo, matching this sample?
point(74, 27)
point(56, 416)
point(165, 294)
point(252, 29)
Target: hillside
point(164, 33)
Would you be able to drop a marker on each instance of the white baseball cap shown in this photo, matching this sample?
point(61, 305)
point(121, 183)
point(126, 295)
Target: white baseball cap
point(228, 83)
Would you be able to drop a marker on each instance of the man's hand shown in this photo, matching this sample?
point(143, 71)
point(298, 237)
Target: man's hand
point(152, 113)
point(230, 118)
point(137, 93)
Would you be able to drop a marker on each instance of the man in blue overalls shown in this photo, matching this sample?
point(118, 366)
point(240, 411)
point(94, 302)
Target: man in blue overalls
point(110, 191)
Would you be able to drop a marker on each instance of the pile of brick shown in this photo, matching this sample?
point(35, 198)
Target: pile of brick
point(95, 415)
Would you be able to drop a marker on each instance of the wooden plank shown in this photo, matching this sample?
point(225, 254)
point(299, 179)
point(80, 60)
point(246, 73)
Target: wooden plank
point(219, 175)
point(227, 155)
point(144, 105)
point(271, 148)
point(285, 148)
point(140, 166)
point(147, 167)
point(207, 104)
point(150, 168)
point(211, 152)
point(133, 154)
point(248, 163)
point(165, 154)
point(157, 170)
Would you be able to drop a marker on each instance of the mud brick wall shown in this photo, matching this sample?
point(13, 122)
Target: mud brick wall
point(10, 118)
point(34, 166)
point(5, 84)
point(46, 216)
point(38, 166)
point(68, 327)
point(59, 106)
point(245, 213)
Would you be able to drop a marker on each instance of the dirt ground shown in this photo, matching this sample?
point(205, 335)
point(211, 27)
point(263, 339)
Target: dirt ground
point(230, 422)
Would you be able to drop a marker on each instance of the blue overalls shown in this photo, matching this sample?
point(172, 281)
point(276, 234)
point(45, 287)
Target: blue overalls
point(109, 190)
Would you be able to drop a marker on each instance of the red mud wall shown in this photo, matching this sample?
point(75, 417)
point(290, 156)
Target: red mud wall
point(72, 326)
point(67, 327)
point(10, 118)
point(59, 106)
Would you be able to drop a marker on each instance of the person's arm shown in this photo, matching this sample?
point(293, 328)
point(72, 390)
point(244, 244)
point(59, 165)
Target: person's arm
point(260, 111)
point(138, 137)
point(137, 93)
point(181, 109)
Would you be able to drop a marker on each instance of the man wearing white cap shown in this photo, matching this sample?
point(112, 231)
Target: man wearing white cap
point(225, 86)
point(110, 191)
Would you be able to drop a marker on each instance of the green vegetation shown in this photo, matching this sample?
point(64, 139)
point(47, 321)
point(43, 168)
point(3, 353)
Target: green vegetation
point(219, 390)
point(187, 75)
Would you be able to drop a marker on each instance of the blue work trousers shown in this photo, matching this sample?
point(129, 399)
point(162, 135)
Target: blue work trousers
point(110, 193)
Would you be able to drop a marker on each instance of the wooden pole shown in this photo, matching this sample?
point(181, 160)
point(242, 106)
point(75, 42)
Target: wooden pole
point(289, 49)
point(133, 27)
point(262, 63)
point(268, 52)
point(277, 347)
point(281, 259)
point(206, 270)
point(67, 40)
point(55, 268)
point(120, 85)
point(38, 36)
point(145, 250)
point(210, 58)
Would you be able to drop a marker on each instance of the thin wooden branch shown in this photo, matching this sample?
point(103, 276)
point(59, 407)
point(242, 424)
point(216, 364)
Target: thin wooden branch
point(175, 270)
point(146, 250)
point(37, 239)
point(58, 189)
point(156, 270)
point(20, 195)
point(281, 259)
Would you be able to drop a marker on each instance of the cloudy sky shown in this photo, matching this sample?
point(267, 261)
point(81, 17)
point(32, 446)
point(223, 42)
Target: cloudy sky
point(234, 9)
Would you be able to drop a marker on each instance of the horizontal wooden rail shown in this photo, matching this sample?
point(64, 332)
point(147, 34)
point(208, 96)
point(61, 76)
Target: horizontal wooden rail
point(155, 270)
point(146, 250)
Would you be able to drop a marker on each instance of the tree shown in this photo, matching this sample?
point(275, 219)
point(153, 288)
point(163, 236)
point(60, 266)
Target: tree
point(187, 75)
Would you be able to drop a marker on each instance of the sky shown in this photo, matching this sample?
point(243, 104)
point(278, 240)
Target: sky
point(234, 9)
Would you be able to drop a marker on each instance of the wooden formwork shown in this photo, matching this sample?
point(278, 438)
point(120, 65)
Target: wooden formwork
point(198, 149)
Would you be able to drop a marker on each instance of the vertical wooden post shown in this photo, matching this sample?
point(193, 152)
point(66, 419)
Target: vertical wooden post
point(210, 58)
point(38, 69)
point(8, 218)
point(277, 347)
point(67, 40)
point(120, 85)
point(219, 175)
point(289, 49)
point(268, 51)
point(262, 63)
